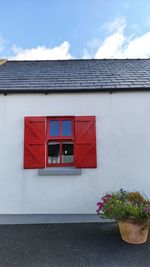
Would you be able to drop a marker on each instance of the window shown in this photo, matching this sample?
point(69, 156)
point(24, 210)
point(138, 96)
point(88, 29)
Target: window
point(60, 127)
point(60, 141)
point(60, 153)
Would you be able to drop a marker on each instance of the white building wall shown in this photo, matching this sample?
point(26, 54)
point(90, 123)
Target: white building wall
point(123, 152)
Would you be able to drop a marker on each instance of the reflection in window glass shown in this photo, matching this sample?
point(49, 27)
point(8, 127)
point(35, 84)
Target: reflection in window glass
point(54, 128)
point(66, 128)
point(53, 153)
point(67, 152)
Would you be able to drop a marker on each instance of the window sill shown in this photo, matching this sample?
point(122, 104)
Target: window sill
point(59, 171)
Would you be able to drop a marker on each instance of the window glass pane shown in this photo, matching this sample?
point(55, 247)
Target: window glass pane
point(66, 128)
point(53, 153)
point(54, 128)
point(67, 152)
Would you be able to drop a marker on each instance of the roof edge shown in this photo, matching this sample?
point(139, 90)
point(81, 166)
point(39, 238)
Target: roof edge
point(86, 90)
point(77, 59)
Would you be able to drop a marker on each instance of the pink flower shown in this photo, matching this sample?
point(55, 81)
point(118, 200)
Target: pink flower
point(146, 209)
point(100, 206)
point(106, 197)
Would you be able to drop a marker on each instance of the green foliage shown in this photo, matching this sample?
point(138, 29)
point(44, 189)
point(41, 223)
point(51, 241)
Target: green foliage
point(135, 197)
point(122, 204)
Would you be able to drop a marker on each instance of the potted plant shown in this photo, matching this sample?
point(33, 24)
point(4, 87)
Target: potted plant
point(132, 212)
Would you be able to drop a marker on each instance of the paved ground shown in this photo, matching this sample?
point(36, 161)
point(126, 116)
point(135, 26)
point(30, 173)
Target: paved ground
point(69, 245)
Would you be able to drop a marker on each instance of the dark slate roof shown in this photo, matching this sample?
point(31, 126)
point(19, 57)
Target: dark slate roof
point(93, 75)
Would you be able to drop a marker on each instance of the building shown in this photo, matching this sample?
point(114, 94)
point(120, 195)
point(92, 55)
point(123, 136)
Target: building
point(70, 131)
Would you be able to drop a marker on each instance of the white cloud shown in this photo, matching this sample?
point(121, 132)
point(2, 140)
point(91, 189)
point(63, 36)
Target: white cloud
point(111, 47)
point(138, 47)
point(118, 45)
point(91, 48)
point(42, 53)
point(117, 25)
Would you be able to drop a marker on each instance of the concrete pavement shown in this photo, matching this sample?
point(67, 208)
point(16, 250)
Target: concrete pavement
point(69, 245)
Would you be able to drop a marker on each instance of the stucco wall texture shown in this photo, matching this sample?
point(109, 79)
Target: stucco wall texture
point(123, 152)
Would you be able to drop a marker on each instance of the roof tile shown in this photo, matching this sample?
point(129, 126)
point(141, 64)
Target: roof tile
point(75, 75)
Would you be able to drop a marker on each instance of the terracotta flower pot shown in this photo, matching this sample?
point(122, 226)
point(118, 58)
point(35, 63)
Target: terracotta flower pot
point(134, 232)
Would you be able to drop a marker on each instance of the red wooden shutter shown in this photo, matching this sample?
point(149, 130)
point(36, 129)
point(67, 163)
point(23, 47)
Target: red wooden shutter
point(85, 142)
point(34, 142)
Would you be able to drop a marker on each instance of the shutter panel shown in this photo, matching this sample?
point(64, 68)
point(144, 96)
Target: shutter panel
point(85, 142)
point(34, 142)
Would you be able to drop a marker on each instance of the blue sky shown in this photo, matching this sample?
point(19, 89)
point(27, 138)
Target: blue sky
point(64, 29)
